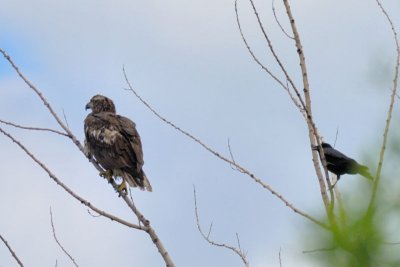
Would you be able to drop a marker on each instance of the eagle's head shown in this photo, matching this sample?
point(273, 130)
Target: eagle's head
point(100, 103)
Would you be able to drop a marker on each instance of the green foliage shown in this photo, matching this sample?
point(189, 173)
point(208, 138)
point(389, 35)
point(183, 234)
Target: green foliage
point(363, 235)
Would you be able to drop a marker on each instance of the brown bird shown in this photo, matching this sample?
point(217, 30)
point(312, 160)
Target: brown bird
point(115, 144)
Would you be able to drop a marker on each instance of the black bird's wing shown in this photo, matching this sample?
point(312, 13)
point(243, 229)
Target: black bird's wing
point(335, 157)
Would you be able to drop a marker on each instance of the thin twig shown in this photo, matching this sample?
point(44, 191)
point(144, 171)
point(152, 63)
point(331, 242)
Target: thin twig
point(237, 251)
point(341, 207)
point(275, 55)
point(44, 100)
point(65, 118)
point(32, 128)
point(336, 136)
point(280, 260)
point(58, 242)
point(318, 250)
point(273, 76)
point(232, 158)
point(69, 191)
point(390, 111)
point(277, 21)
point(239, 246)
point(391, 243)
point(218, 155)
point(93, 215)
point(11, 251)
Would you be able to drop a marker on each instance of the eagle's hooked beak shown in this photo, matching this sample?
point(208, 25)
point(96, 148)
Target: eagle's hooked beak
point(88, 106)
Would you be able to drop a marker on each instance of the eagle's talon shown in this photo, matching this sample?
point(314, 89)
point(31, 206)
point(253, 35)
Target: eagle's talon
point(108, 174)
point(121, 189)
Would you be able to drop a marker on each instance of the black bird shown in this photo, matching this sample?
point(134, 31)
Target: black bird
point(339, 164)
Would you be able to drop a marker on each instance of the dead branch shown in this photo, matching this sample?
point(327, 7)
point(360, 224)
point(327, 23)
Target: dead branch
point(273, 76)
point(390, 111)
point(276, 57)
point(147, 228)
point(232, 157)
point(299, 102)
point(313, 134)
point(150, 231)
point(69, 191)
point(32, 128)
point(279, 24)
point(11, 251)
point(223, 158)
point(93, 215)
point(237, 250)
point(280, 260)
point(58, 242)
point(318, 250)
point(65, 118)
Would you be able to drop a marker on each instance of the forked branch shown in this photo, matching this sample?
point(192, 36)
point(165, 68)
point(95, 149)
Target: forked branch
point(58, 242)
point(237, 250)
point(32, 128)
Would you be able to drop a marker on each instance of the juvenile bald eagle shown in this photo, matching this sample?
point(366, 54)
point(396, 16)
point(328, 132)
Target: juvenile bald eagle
point(115, 144)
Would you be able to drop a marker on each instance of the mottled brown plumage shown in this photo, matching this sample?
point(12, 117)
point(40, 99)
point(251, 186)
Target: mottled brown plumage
point(114, 142)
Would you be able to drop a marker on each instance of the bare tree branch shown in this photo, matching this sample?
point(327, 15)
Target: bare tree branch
point(390, 111)
point(69, 191)
point(218, 155)
point(299, 102)
point(312, 129)
point(32, 128)
point(65, 118)
point(11, 251)
point(279, 24)
point(238, 251)
point(93, 215)
point(41, 96)
point(58, 242)
point(280, 260)
point(232, 158)
point(275, 55)
point(273, 76)
point(318, 250)
point(150, 231)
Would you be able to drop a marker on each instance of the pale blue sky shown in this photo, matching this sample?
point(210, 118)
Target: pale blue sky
point(187, 59)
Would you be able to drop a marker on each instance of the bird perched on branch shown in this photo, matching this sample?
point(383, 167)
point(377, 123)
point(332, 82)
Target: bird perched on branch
point(340, 164)
point(115, 144)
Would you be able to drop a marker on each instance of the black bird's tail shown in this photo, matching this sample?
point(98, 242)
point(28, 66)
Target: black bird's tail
point(363, 170)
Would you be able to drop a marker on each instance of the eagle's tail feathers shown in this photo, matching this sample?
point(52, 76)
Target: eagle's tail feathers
point(142, 182)
point(146, 183)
